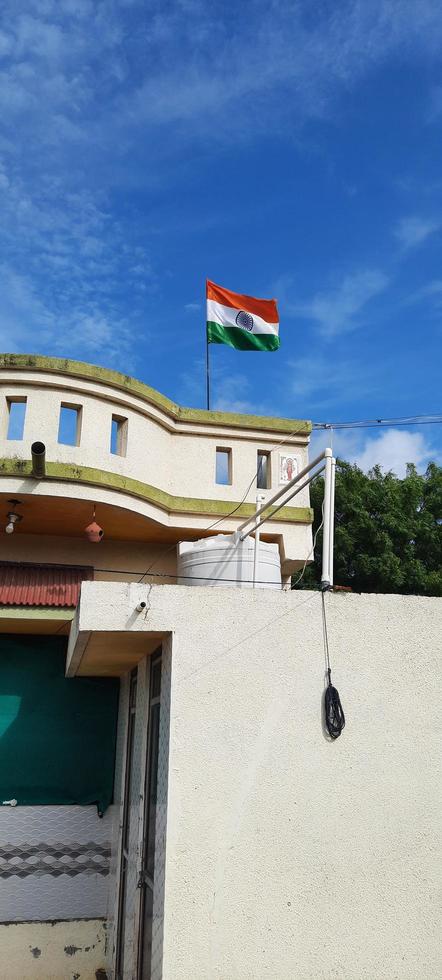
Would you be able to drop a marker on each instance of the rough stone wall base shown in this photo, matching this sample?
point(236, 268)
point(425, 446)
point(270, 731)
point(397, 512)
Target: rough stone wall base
point(52, 950)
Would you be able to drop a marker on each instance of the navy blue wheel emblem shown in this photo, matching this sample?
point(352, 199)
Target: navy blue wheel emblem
point(245, 320)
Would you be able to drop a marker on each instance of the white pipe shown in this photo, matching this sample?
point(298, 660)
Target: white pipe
point(284, 489)
point(332, 521)
point(286, 501)
point(259, 499)
point(325, 577)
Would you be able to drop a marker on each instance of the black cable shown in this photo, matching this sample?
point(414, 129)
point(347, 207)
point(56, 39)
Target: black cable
point(333, 711)
point(374, 423)
point(191, 578)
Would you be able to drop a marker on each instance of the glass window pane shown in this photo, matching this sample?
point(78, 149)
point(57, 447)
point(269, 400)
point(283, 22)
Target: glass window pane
point(16, 421)
point(223, 466)
point(69, 425)
point(118, 436)
point(262, 478)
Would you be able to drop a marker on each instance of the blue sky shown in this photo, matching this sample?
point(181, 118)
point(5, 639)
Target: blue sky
point(287, 149)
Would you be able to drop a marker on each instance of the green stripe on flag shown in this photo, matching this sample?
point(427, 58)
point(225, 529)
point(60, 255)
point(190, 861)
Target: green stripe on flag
point(240, 339)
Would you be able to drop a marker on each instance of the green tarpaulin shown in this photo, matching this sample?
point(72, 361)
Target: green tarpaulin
point(57, 734)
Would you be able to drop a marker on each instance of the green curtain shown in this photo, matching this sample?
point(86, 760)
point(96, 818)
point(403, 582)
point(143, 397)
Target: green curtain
point(57, 734)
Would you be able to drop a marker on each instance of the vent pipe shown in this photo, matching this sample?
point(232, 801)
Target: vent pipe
point(38, 453)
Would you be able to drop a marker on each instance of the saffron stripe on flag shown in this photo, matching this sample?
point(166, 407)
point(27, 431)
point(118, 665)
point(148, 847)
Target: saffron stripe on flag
point(264, 308)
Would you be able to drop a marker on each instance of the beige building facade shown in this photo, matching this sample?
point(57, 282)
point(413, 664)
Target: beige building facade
point(215, 832)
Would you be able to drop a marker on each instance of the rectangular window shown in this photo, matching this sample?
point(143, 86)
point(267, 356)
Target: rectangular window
point(263, 470)
point(69, 428)
point(224, 466)
point(16, 417)
point(118, 441)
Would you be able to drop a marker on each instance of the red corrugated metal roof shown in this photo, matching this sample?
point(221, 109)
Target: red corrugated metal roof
point(41, 585)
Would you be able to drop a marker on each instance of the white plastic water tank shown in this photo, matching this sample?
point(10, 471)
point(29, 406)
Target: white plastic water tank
point(220, 561)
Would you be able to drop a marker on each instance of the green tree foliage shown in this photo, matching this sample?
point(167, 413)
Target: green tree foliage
point(388, 532)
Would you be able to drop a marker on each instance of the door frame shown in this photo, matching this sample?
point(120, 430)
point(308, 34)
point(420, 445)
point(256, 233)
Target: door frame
point(143, 879)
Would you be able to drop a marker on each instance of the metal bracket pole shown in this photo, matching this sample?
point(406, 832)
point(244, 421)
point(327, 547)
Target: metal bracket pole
point(332, 521)
point(325, 577)
point(260, 497)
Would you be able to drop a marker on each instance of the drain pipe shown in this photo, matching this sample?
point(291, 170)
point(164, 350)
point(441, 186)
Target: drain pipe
point(38, 454)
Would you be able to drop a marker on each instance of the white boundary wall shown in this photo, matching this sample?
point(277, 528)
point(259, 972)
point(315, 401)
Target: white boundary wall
point(289, 857)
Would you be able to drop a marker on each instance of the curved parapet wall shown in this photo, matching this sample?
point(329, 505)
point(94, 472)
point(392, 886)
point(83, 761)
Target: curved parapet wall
point(138, 449)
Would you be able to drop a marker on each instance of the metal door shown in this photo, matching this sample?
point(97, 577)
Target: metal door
point(125, 831)
point(146, 879)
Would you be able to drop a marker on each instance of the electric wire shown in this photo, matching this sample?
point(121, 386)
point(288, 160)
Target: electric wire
point(374, 423)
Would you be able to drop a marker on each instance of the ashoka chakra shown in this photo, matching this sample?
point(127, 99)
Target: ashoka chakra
point(245, 320)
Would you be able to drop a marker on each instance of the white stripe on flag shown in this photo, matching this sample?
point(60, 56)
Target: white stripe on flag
point(226, 316)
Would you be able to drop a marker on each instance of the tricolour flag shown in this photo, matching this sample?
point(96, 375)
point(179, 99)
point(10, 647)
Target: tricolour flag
point(242, 322)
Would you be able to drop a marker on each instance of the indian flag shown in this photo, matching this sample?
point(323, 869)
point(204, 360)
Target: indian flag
point(242, 322)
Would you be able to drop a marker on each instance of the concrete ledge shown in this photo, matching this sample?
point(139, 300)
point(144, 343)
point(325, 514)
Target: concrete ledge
point(72, 473)
point(91, 372)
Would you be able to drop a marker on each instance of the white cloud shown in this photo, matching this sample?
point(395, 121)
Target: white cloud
point(414, 230)
point(93, 86)
point(341, 309)
point(192, 307)
point(391, 448)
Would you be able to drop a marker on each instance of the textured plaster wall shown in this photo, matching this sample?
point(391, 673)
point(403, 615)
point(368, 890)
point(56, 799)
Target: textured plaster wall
point(180, 461)
point(289, 857)
point(119, 558)
point(177, 459)
point(52, 951)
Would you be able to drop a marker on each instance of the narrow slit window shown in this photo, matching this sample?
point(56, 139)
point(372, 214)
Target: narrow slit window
point(263, 470)
point(69, 428)
point(224, 466)
point(118, 441)
point(16, 417)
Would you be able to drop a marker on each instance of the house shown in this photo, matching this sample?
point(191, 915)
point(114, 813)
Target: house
point(172, 807)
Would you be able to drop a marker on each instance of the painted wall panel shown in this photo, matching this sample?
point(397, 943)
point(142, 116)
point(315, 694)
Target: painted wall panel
point(54, 862)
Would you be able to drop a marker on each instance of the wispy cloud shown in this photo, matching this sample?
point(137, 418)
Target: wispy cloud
point(318, 382)
point(99, 98)
point(342, 307)
point(31, 324)
point(231, 391)
point(414, 230)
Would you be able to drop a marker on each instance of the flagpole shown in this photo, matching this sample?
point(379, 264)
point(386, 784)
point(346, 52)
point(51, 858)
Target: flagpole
point(207, 372)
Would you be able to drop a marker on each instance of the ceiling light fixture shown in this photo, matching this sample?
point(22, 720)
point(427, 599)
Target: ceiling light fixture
point(13, 518)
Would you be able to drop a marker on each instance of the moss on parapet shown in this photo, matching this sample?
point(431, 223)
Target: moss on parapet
point(72, 473)
point(100, 375)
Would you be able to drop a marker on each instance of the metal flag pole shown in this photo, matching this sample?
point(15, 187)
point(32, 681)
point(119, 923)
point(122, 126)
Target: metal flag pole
point(207, 372)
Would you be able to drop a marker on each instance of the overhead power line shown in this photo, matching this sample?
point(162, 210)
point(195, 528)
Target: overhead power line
point(374, 423)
